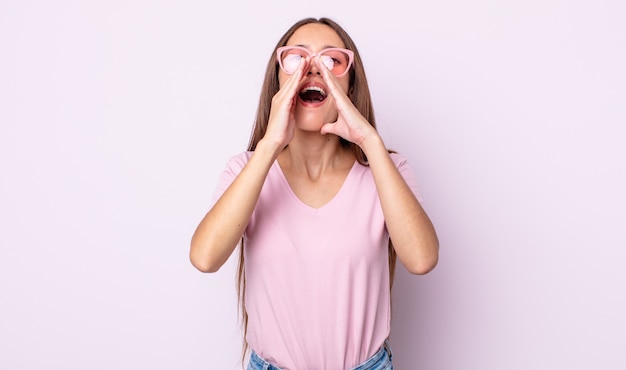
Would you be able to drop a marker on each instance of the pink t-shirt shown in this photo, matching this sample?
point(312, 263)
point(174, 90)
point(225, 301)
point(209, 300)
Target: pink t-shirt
point(317, 279)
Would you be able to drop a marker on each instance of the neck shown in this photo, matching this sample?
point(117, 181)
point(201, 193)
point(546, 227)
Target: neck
point(310, 151)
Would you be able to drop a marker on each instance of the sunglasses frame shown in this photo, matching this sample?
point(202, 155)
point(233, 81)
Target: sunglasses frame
point(350, 54)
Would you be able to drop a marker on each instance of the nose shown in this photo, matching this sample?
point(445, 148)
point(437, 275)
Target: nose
point(313, 68)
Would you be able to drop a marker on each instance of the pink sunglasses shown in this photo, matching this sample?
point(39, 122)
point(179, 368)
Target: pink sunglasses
point(337, 60)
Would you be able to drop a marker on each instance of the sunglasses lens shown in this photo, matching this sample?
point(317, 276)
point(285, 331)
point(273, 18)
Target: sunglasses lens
point(290, 59)
point(291, 63)
point(328, 62)
point(336, 60)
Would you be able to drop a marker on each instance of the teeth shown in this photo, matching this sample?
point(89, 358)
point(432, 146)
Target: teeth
point(314, 88)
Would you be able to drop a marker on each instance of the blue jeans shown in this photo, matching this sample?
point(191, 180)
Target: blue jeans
point(380, 361)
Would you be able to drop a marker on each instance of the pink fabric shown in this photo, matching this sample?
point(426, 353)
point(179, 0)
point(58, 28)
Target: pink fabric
point(317, 291)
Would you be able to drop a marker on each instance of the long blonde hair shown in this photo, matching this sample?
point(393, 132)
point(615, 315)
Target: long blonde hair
point(359, 94)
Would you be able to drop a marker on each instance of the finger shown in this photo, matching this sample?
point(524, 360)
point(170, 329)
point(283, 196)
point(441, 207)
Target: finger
point(332, 82)
point(293, 83)
point(328, 128)
point(294, 80)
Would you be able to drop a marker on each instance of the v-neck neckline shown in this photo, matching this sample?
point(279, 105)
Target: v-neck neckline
point(303, 204)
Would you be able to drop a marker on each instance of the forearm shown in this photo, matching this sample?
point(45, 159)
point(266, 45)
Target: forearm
point(222, 227)
point(410, 229)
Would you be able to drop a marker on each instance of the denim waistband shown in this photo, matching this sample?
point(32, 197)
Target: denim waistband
point(257, 363)
point(381, 360)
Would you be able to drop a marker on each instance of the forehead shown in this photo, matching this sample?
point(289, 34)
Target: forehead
point(316, 35)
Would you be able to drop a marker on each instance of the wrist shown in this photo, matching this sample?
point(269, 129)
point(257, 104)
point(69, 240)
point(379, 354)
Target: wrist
point(268, 148)
point(372, 143)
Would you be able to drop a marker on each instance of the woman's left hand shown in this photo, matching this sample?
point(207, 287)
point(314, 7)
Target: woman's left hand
point(350, 124)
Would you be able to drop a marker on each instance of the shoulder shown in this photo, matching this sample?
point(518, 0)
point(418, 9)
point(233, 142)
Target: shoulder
point(403, 166)
point(238, 161)
point(233, 167)
point(398, 159)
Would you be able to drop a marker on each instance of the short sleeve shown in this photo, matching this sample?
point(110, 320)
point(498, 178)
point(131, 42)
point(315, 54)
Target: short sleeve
point(407, 173)
point(234, 165)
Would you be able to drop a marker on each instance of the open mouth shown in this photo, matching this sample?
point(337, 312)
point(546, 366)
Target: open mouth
point(313, 94)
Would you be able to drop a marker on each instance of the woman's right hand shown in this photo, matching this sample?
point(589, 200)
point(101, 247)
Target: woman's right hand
point(281, 124)
point(221, 228)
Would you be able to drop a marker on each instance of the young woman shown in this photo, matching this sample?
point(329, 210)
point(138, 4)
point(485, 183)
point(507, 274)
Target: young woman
point(315, 201)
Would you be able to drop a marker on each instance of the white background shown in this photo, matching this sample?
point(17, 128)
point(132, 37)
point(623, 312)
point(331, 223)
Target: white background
point(117, 117)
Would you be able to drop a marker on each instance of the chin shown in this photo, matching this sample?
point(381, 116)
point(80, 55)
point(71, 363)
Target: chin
point(312, 119)
point(309, 126)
